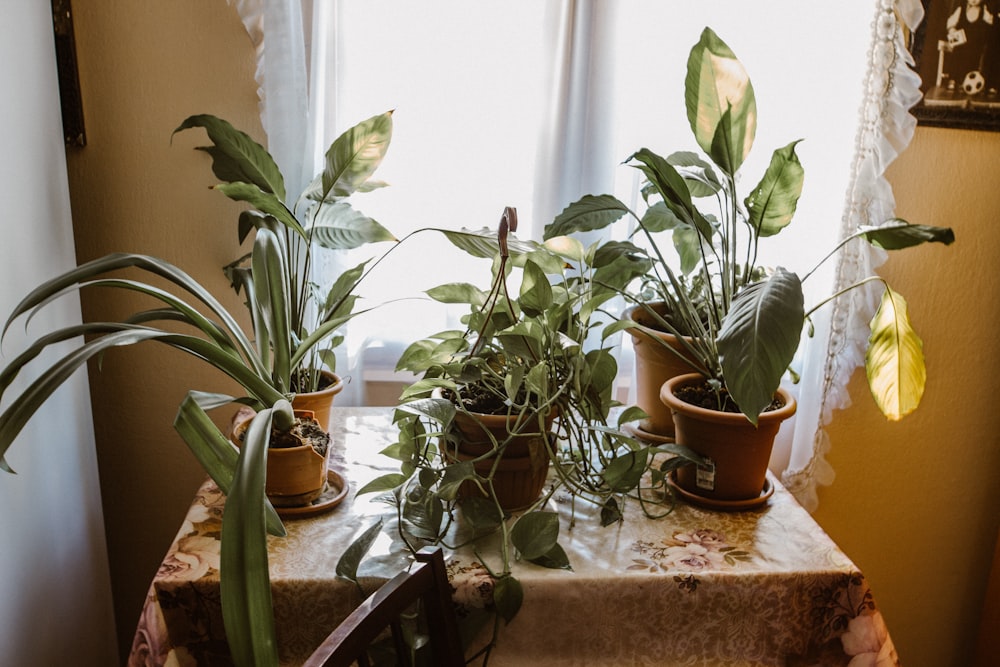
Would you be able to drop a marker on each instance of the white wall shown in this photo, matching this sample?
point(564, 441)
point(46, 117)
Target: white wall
point(55, 595)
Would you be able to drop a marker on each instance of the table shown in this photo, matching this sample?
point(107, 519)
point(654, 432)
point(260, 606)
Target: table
point(697, 587)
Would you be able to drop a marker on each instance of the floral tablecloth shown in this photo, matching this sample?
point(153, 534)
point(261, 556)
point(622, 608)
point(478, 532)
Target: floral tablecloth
point(697, 587)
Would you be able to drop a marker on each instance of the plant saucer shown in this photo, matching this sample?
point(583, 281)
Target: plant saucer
point(722, 505)
point(333, 495)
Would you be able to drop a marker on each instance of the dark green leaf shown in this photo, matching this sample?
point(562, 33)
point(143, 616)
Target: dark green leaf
point(555, 559)
point(349, 562)
point(758, 339)
point(898, 234)
point(585, 215)
point(610, 512)
point(535, 533)
point(507, 597)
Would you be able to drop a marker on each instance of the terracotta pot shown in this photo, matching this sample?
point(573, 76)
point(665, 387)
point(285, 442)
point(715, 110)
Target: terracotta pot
point(654, 365)
point(740, 452)
point(295, 476)
point(523, 467)
point(320, 402)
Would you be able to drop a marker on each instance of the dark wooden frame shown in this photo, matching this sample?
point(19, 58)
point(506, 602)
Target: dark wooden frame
point(939, 107)
point(69, 80)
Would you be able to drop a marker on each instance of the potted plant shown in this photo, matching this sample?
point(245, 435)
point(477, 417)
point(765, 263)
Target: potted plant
point(267, 362)
point(736, 323)
point(322, 218)
point(533, 360)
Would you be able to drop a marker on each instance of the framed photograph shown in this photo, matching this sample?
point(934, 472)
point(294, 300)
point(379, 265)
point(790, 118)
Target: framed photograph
point(957, 53)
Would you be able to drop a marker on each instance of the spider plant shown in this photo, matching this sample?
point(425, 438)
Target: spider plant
point(321, 218)
point(740, 323)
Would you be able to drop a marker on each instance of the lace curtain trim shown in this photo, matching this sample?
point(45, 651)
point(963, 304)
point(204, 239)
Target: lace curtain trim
point(885, 129)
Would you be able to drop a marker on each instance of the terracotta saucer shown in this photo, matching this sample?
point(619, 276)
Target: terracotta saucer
point(723, 505)
point(647, 436)
point(333, 494)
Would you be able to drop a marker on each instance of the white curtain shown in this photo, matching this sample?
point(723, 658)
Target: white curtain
point(532, 104)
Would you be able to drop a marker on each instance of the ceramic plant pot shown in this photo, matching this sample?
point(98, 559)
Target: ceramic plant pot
point(320, 402)
point(654, 365)
point(520, 472)
point(297, 475)
point(739, 451)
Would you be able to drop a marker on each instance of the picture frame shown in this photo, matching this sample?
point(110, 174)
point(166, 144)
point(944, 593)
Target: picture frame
point(959, 65)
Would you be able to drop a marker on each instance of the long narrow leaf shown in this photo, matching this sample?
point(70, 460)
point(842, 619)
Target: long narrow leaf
point(214, 451)
point(271, 290)
point(265, 201)
point(894, 362)
point(247, 610)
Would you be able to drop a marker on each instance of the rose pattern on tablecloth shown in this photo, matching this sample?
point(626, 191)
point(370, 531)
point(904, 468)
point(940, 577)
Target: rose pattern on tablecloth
point(693, 551)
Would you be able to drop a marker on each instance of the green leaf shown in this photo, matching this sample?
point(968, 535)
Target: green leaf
point(440, 410)
point(507, 597)
point(482, 515)
point(235, 156)
point(464, 293)
point(758, 339)
point(535, 533)
point(698, 174)
point(659, 218)
point(355, 155)
point(687, 243)
point(772, 203)
point(339, 226)
point(483, 242)
point(555, 559)
point(674, 190)
point(623, 472)
point(422, 512)
point(349, 562)
point(894, 361)
point(898, 234)
point(610, 512)
point(585, 215)
point(535, 295)
point(337, 302)
point(453, 477)
point(383, 483)
point(264, 201)
point(272, 290)
point(717, 83)
point(247, 610)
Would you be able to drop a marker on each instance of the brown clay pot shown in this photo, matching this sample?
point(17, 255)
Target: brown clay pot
point(654, 365)
point(740, 452)
point(524, 463)
point(320, 402)
point(295, 475)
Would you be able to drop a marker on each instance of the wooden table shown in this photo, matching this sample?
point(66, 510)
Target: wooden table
point(697, 587)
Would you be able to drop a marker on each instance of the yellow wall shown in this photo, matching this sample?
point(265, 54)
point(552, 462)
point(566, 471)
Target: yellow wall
point(145, 67)
point(915, 504)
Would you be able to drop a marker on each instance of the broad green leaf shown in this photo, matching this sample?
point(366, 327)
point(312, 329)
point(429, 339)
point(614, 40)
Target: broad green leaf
point(772, 203)
point(536, 291)
point(698, 174)
point(483, 242)
point(673, 189)
point(481, 514)
point(266, 202)
point(687, 243)
point(555, 559)
point(422, 512)
point(716, 82)
point(898, 234)
point(333, 304)
point(507, 597)
point(659, 218)
point(440, 410)
point(235, 156)
point(585, 215)
point(632, 413)
point(610, 512)
point(465, 293)
point(568, 247)
point(894, 362)
point(758, 339)
point(623, 472)
point(453, 477)
point(383, 483)
point(355, 155)
point(340, 226)
point(349, 562)
point(535, 533)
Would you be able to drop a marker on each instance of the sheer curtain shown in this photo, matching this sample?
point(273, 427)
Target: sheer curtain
point(532, 104)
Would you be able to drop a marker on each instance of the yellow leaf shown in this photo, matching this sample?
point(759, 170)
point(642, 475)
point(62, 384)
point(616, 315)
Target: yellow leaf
point(895, 359)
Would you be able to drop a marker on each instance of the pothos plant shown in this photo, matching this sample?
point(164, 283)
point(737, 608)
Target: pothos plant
point(739, 323)
point(266, 362)
point(529, 354)
point(321, 218)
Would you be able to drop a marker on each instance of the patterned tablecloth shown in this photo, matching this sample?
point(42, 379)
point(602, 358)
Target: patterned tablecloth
point(697, 587)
